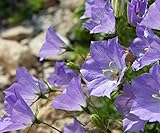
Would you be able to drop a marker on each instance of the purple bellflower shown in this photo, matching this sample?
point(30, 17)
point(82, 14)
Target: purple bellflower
point(29, 87)
point(106, 67)
point(102, 19)
point(62, 75)
point(133, 124)
point(136, 11)
point(88, 6)
point(152, 18)
point(18, 114)
point(74, 128)
point(72, 98)
point(52, 46)
point(147, 95)
point(123, 104)
point(146, 47)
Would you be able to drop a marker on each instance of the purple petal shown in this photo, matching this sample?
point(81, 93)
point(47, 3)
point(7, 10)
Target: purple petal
point(102, 20)
point(65, 100)
point(146, 90)
point(145, 47)
point(52, 46)
point(89, 4)
point(152, 18)
point(27, 86)
point(74, 128)
point(124, 102)
point(19, 115)
point(62, 75)
point(136, 11)
point(106, 67)
point(133, 126)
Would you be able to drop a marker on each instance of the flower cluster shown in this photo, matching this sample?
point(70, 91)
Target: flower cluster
point(19, 96)
point(105, 73)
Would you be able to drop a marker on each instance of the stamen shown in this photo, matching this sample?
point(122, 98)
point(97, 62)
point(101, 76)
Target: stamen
point(111, 65)
point(105, 71)
point(146, 49)
point(112, 70)
point(156, 96)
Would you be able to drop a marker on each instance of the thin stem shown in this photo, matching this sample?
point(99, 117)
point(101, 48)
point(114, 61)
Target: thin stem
point(35, 101)
point(30, 128)
point(83, 58)
point(93, 105)
point(78, 121)
point(75, 118)
point(51, 127)
point(49, 88)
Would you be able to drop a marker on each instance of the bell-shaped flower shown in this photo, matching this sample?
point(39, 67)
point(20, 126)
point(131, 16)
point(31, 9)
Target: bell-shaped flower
point(147, 95)
point(102, 19)
point(146, 48)
point(106, 67)
point(29, 87)
point(152, 17)
point(124, 104)
point(18, 114)
point(62, 75)
point(53, 45)
point(136, 11)
point(72, 98)
point(88, 6)
point(133, 124)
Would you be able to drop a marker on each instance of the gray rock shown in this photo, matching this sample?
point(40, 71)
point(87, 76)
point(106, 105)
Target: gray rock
point(4, 80)
point(71, 4)
point(1, 110)
point(47, 72)
point(36, 43)
point(17, 33)
point(63, 21)
point(43, 21)
point(10, 54)
point(25, 41)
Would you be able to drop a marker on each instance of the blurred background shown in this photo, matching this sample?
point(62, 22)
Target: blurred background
point(23, 25)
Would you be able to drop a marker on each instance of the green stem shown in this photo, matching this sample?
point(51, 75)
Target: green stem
point(30, 128)
point(75, 118)
point(51, 126)
point(35, 101)
point(92, 104)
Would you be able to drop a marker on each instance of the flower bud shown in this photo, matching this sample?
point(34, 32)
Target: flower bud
point(119, 7)
point(72, 65)
point(96, 120)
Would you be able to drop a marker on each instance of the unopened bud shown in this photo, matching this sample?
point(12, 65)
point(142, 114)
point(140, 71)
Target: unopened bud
point(96, 120)
point(73, 66)
point(129, 56)
point(119, 7)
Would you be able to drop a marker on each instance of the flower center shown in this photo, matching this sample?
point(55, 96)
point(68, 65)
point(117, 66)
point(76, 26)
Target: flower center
point(156, 96)
point(146, 49)
point(113, 70)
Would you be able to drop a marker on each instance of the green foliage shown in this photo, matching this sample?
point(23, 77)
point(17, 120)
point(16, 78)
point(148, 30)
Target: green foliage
point(96, 120)
point(78, 12)
point(35, 5)
point(125, 32)
point(15, 11)
point(151, 1)
point(6, 7)
point(107, 113)
point(130, 74)
point(152, 128)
